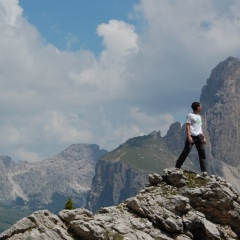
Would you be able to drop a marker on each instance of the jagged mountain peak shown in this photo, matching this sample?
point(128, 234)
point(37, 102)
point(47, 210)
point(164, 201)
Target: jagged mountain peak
point(221, 106)
point(82, 150)
point(223, 84)
point(7, 161)
point(49, 183)
point(174, 128)
point(141, 140)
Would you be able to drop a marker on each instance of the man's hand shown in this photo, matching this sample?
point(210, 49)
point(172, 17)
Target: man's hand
point(190, 139)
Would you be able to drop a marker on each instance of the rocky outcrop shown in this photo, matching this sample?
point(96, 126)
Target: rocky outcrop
point(49, 183)
point(39, 225)
point(177, 205)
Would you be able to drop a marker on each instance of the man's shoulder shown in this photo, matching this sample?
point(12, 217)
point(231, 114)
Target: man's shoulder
point(190, 115)
point(194, 115)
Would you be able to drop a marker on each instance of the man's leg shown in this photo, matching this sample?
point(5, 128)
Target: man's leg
point(201, 154)
point(184, 154)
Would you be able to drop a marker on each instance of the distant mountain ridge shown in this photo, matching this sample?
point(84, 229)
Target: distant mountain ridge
point(49, 183)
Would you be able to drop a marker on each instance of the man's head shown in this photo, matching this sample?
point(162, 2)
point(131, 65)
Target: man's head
point(196, 106)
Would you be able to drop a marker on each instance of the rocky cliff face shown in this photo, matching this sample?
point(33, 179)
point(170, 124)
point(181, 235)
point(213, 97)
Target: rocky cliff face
point(113, 182)
point(177, 205)
point(221, 106)
point(221, 102)
point(49, 183)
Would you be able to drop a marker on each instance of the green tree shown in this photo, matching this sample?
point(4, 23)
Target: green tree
point(69, 204)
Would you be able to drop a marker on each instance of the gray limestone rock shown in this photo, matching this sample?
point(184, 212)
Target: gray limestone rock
point(220, 98)
point(200, 209)
point(154, 179)
point(39, 225)
point(49, 183)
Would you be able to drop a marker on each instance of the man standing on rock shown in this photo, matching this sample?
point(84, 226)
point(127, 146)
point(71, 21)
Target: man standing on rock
point(194, 136)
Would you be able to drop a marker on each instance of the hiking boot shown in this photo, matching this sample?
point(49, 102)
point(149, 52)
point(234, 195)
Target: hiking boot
point(204, 174)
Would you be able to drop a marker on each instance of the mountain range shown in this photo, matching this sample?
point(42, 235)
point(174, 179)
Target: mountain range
point(49, 183)
point(95, 178)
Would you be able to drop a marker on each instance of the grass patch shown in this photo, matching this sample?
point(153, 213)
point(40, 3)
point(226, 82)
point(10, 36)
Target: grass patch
point(168, 190)
point(195, 181)
point(149, 157)
point(113, 236)
point(140, 198)
point(121, 208)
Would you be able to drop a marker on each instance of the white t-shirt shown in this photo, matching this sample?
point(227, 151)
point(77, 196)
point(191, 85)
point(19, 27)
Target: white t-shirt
point(195, 121)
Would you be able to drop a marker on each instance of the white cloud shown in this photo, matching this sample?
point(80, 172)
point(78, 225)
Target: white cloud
point(67, 128)
point(13, 135)
point(144, 76)
point(10, 12)
point(25, 155)
point(119, 39)
point(149, 122)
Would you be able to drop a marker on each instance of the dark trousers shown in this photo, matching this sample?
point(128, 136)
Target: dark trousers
point(198, 141)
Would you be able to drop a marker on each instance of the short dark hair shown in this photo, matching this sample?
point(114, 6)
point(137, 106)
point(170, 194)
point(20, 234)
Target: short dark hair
point(195, 105)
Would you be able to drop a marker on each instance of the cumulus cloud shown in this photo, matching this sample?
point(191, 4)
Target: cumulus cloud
point(28, 156)
point(119, 39)
point(154, 121)
point(10, 12)
point(67, 128)
point(144, 79)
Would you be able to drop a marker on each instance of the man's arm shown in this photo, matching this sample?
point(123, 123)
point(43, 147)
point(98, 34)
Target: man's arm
point(188, 132)
point(204, 139)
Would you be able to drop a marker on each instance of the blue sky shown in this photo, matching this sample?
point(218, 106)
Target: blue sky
point(71, 25)
point(104, 71)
